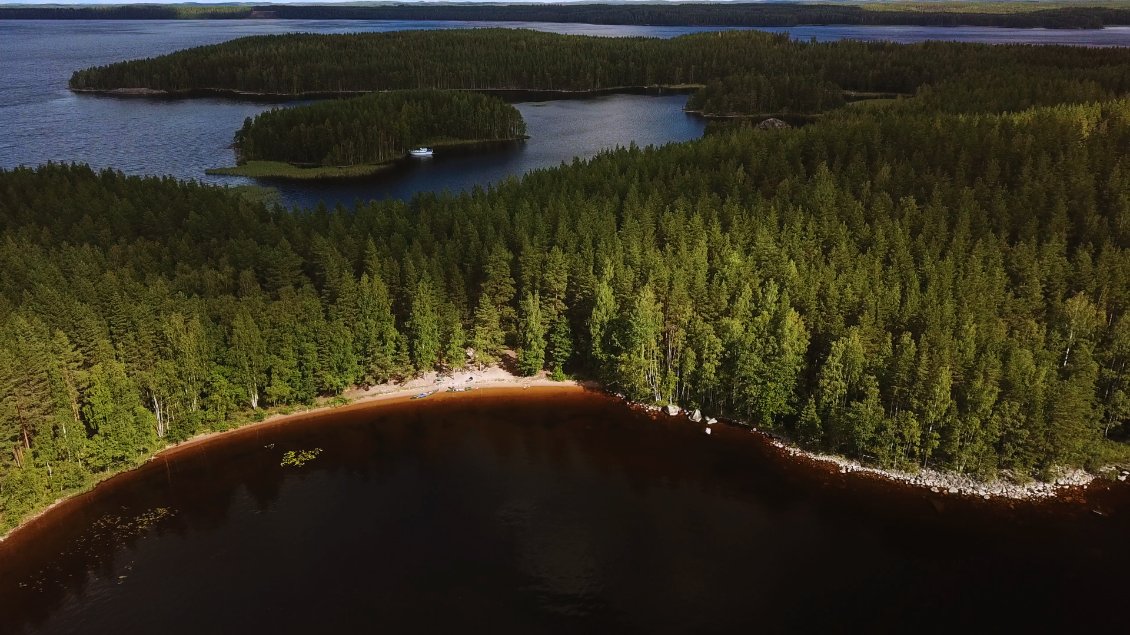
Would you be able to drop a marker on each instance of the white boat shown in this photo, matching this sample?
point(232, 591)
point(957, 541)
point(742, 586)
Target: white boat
point(421, 152)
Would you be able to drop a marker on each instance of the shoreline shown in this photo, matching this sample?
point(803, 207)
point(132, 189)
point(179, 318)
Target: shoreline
point(281, 170)
point(507, 94)
point(927, 479)
point(793, 119)
point(284, 171)
point(495, 378)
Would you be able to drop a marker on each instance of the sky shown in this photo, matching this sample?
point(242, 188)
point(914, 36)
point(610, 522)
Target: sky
point(346, 2)
point(342, 2)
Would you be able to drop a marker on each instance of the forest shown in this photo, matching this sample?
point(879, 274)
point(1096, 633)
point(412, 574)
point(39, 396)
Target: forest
point(938, 280)
point(756, 94)
point(1051, 15)
point(375, 128)
point(485, 59)
point(912, 287)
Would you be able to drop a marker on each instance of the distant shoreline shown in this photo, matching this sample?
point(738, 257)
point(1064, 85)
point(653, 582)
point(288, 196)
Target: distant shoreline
point(1052, 14)
point(507, 94)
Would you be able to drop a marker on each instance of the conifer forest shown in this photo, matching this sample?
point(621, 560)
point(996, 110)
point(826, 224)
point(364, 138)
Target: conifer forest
point(935, 272)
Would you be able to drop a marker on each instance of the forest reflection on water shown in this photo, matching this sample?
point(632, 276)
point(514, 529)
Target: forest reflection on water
point(539, 511)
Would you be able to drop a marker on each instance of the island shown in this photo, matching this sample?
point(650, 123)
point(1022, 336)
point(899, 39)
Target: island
point(738, 72)
point(363, 135)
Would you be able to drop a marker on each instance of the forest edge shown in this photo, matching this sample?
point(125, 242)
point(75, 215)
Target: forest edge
point(496, 378)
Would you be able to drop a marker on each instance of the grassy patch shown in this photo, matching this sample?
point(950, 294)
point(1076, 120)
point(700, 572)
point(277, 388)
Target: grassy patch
point(872, 103)
point(259, 194)
point(280, 170)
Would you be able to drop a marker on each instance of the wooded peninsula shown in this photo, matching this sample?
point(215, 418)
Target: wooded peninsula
point(799, 75)
point(933, 281)
point(358, 136)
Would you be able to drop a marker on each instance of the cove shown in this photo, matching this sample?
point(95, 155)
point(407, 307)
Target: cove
point(44, 121)
point(544, 510)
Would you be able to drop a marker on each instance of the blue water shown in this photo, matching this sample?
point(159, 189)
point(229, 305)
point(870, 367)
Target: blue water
point(40, 120)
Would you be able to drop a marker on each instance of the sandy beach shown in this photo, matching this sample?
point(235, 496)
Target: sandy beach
point(432, 384)
point(435, 386)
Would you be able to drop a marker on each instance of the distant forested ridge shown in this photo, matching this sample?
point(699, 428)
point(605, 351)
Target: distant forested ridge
point(997, 14)
point(375, 128)
point(907, 286)
point(484, 59)
point(753, 93)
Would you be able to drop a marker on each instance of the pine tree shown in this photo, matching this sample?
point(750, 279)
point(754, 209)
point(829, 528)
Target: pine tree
point(455, 340)
point(560, 347)
point(531, 337)
point(423, 328)
point(375, 334)
point(603, 313)
point(488, 338)
point(337, 364)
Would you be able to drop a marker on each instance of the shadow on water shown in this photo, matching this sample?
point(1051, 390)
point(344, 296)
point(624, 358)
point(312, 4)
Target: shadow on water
point(558, 132)
point(444, 159)
point(546, 511)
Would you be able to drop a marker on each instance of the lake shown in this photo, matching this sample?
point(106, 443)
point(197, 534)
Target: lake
point(43, 121)
point(519, 512)
point(545, 510)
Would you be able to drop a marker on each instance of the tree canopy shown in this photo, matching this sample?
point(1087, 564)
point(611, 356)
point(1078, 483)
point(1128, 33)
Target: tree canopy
point(963, 307)
point(935, 281)
point(496, 59)
point(375, 128)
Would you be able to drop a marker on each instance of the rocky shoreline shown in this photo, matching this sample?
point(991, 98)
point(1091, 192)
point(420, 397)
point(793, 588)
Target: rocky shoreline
point(935, 481)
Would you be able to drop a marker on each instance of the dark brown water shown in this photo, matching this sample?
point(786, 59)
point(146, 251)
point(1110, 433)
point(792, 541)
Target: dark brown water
point(547, 511)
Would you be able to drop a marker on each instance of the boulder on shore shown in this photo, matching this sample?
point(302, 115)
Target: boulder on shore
point(772, 123)
point(672, 410)
point(696, 416)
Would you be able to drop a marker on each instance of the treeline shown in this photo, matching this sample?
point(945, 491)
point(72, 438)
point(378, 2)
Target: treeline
point(703, 14)
point(479, 59)
point(753, 93)
point(1010, 88)
point(375, 128)
point(125, 12)
point(909, 288)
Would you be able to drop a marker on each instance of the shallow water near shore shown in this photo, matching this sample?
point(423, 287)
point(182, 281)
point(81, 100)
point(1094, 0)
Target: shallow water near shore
point(544, 510)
